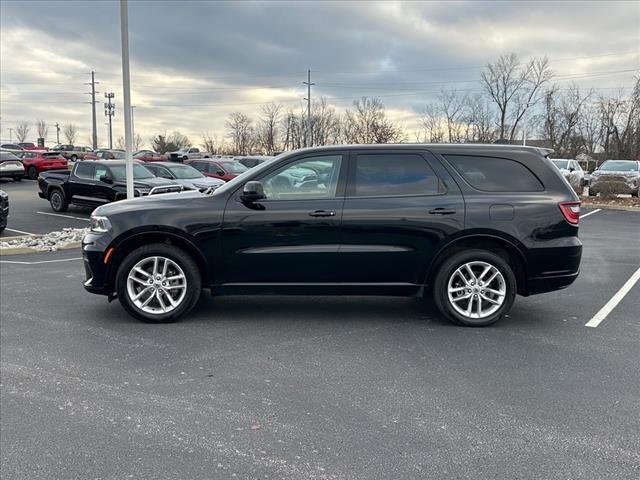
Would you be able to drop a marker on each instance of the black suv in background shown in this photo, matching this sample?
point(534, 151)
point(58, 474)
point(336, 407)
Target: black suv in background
point(472, 225)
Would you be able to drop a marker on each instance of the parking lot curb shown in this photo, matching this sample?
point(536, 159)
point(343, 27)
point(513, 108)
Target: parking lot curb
point(23, 250)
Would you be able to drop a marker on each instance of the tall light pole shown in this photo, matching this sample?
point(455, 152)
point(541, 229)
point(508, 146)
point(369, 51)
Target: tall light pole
point(11, 135)
point(110, 111)
point(308, 83)
point(126, 94)
point(133, 130)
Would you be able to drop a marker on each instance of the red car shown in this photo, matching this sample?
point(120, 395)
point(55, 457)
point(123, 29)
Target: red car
point(32, 146)
point(222, 169)
point(105, 155)
point(149, 156)
point(37, 162)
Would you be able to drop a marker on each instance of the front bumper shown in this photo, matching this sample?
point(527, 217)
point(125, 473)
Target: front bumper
point(94, 247)
point(614, 186)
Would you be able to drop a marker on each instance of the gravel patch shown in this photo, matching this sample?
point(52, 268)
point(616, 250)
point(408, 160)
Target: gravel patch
point(49, 242)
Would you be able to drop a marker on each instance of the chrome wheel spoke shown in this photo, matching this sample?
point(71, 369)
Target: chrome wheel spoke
point(150, 288)
point(483, 297)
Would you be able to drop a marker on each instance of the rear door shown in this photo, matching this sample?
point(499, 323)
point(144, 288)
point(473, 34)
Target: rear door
point(399, 207)
point(82, 184)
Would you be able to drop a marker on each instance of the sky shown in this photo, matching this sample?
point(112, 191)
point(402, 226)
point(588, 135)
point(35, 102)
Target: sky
point(193, 63)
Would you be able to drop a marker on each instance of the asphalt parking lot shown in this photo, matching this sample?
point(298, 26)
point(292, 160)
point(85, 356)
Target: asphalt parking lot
point(319, 387)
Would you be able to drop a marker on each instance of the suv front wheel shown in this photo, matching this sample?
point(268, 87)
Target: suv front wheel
point(158, 283)
point(474, 288)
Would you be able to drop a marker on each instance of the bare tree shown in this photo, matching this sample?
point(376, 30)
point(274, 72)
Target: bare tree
point(514, 88)
point(43, 129)
point(367, 123)
point(137, 142)
point(325, 123)
point(22, 131)
point(163, 143)
point(479, 120)
point(240, 132)
point(452, 108)
point(432, 124)
point(620, 125)
point(267, 130)
point(562, 115)
point(70, 132)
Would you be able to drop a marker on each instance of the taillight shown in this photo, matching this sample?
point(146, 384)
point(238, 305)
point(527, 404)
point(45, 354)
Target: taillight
point(571, 211)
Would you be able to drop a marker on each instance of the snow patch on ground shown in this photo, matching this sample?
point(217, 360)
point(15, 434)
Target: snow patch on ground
point(49, 242)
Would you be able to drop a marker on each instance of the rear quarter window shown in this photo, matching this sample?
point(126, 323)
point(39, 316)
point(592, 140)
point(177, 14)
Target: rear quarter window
point(493, 174)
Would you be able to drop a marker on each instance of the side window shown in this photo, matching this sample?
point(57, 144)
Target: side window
point(100, 171)
point(314, 177)
point(394, 174)
point(162, 172)
point(85, 170)
point(495, 174)
point(201, 167)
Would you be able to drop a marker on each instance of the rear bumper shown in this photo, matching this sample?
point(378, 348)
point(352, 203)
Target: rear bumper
point(553, 268)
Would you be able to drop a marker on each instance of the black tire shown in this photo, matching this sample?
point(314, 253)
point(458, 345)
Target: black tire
point(592, 193)
point(2, 229)
point(182, 259)
point(17, 179)
point(74, 158)
point(440, 287)
point(32, 173)
point(635, 194)
point(184, 159)
point(57, 201)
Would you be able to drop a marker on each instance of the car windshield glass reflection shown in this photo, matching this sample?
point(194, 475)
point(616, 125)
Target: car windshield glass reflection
point(139, 172)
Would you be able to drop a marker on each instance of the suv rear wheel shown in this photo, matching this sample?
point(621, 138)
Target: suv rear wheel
point(158, 283)
point(474, 288)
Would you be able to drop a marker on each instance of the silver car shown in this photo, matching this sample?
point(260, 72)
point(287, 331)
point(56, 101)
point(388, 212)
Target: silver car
point(11, 166)
point(185, 175)
point(616, 177)
point(572, 171)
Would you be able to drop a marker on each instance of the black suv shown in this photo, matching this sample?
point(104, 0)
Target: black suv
point(471, 224)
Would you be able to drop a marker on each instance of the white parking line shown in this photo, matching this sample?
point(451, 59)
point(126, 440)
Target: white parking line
point(18, 231)
point(581, 216)
point(64, 216)
point(16, 262)
point(615, 300)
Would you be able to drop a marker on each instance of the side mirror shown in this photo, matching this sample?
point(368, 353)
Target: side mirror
point(252, 192)
point(571, 169)
point(220, 173)
point(106, 179)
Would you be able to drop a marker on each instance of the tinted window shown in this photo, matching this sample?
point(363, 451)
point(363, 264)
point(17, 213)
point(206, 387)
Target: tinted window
point(315, 177)
point(495, 174)
point(85, 170)
point(233, 167)
point(394, 174)
point(100, 171)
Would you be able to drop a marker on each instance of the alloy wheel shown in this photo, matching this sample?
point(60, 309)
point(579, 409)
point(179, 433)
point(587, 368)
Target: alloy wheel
point(476, 290)
point(156, 285)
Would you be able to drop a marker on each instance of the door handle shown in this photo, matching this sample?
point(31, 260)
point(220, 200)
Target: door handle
point(322, 213)
point(441, 211)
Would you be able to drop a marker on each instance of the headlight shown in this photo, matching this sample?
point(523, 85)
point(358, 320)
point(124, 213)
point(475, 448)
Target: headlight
point(100, 224)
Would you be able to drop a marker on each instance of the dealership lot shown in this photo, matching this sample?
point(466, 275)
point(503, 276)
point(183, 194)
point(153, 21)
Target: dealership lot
point(315, 387)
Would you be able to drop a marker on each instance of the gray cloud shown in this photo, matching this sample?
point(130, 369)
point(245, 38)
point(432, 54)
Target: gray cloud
point(211, 56)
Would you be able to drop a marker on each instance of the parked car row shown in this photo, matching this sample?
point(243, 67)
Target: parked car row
point(91, 184)
point(613, 177)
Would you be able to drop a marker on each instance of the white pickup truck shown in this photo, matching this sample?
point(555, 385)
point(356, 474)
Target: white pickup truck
point(187, 153)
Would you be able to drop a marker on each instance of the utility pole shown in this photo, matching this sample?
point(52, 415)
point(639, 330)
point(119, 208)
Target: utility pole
point(109, 111)
point(57, 133)
point(126, 96)
point(93, 102)
point(11, 135)
point(308, 83)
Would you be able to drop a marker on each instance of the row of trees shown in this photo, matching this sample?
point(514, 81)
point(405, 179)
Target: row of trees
point(23, 129)
point(514, 100)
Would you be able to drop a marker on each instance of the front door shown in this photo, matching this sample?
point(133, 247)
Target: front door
point(399, 207)
point(293, 235)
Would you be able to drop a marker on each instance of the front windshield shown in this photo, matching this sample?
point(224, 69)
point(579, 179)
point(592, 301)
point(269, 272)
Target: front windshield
point(139, 172)
point(619, 166)
point(233, 167)
point(118, 155)
point(185, 172)
point(561, 164)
